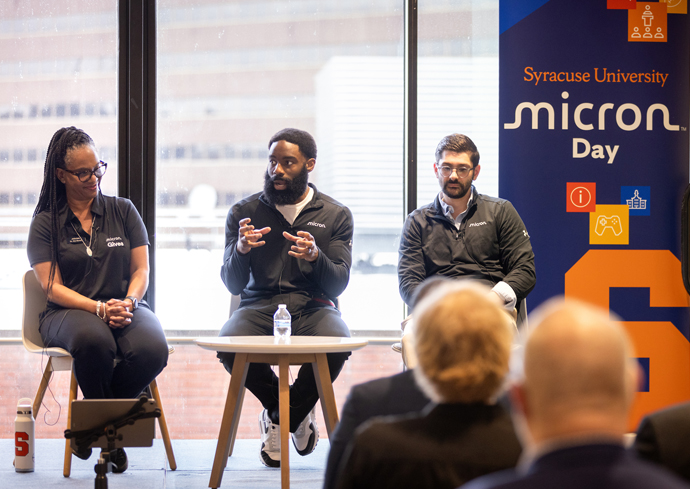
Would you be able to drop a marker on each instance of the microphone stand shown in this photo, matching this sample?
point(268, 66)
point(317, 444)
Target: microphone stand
point(85, 438)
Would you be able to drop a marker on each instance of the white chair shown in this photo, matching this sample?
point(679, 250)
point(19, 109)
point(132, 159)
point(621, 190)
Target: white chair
point(60, 359)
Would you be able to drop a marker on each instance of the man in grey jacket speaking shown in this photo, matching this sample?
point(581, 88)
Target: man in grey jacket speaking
point(464, 234)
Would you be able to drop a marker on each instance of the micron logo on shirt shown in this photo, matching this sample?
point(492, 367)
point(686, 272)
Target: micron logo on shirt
point(317, 224)
point(112, 242)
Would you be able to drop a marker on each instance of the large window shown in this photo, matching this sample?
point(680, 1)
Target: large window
point(59, 67)
point(233, 74)
point(458, 86)
point(229, 75)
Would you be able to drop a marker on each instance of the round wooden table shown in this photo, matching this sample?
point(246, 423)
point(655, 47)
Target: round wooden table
point(268, 349)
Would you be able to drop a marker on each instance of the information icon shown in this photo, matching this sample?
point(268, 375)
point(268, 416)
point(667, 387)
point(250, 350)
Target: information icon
point(581, 196)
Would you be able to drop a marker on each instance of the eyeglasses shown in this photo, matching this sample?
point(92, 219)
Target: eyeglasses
point(85, 175)
point(447, 171)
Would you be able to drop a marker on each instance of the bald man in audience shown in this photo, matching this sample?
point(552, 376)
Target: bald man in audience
point(463, 342)
point(572, 406)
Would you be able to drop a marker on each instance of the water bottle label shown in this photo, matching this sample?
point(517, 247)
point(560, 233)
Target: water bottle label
point(281, 327)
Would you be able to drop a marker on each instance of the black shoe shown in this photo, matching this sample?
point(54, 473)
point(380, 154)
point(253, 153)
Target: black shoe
point(119, 460)
point(82, 454)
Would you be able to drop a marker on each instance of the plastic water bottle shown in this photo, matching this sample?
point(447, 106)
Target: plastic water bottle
point(282, 322)
point(24, 437)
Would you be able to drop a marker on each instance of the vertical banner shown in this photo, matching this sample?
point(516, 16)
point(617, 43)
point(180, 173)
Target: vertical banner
point(593, 147)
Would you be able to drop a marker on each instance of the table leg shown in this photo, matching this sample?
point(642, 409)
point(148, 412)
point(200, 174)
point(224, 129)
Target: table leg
point(325, 387)
point(284, 409)
point(231, 417)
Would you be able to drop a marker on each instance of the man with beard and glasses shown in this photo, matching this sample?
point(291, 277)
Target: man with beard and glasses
point(464, 234)
point(289, 244)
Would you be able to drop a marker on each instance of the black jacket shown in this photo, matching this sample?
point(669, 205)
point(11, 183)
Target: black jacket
point(662, 437)
point(594, 466)
point(268, 270)
point(397, 394)
point(492, 245)
point(442, 447)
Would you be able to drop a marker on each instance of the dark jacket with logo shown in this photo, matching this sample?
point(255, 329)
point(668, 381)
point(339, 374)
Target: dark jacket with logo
point(268, 270)
point(492, 245)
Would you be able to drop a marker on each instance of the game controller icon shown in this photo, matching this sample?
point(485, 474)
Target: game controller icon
point(613, 223)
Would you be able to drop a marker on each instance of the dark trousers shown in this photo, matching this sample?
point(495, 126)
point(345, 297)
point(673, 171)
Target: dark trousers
point(262, 381)
point(94, 345)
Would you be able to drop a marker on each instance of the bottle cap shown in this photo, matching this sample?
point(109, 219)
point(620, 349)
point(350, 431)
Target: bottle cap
point(24, 406)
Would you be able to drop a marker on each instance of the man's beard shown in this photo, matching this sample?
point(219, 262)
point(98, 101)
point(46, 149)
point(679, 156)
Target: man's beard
point(294, 189)
point(460, 192)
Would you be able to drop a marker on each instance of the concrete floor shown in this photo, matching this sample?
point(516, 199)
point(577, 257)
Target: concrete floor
point(148, 467)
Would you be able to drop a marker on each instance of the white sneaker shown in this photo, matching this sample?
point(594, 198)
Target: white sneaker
point(270, 441)
point(307, 435)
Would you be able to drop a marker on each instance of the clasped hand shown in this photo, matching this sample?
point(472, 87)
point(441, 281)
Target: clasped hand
point(304, 247)
point(117, 313)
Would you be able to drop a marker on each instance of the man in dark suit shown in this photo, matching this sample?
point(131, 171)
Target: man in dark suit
point(572, 406)
point(663, 438)
point(397, 394)
point(463, 341)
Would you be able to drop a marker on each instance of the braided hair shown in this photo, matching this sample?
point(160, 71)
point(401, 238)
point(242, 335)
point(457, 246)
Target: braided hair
point(53, 193)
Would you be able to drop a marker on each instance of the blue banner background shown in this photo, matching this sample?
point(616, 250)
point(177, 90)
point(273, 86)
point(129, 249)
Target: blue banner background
point(535, 165)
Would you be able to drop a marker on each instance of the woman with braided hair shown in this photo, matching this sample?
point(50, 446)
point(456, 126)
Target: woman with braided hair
point(89, 252)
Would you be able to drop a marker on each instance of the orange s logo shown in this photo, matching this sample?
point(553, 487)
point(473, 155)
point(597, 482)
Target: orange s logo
point(21, 447)
point(667, 349)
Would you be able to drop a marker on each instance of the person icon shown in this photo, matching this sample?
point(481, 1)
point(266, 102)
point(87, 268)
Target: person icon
point(647, 34)
point(647, 16)
point(659, 34)
point(636, 34)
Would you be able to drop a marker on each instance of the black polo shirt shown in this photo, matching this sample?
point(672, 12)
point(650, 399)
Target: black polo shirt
point(117, 229)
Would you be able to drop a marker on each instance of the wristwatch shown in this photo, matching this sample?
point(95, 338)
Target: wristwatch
point(135, 302)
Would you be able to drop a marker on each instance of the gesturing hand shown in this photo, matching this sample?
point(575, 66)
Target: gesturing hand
point(249, 238)
point(305, 246)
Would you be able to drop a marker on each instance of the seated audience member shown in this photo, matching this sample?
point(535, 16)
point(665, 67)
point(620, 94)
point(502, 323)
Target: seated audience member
point(408, 354)
point(572, 406)
point(463, 343)
point(89, 252)
point(397, 394)
point(663, 438)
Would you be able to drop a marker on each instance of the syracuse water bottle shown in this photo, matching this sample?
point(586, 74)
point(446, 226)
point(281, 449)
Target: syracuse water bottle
point(24, 437)
point(282, 323)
